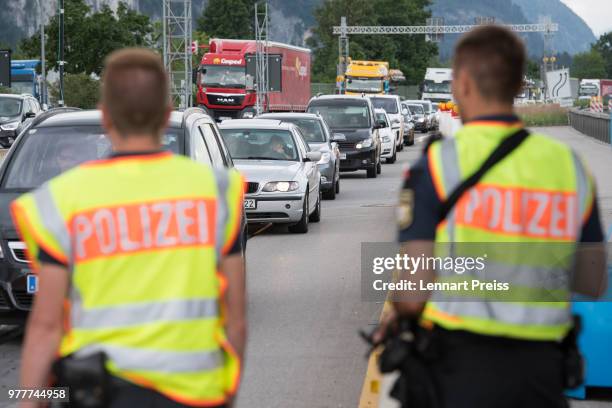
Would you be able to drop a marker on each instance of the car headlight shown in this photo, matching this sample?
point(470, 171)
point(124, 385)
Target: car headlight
point(364, 144)
point(386, 139)
point(281, 186)
point(10, 126)
point(325, 158)
point(421, 120)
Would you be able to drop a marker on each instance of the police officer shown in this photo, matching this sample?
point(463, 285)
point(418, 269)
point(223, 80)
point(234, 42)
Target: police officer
point(139, 255)
point(485, 353)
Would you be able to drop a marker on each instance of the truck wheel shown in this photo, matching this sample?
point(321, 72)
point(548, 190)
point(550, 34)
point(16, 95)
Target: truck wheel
point(378, 167)
point(337, 187)
point(371, 172)
point(302, 226)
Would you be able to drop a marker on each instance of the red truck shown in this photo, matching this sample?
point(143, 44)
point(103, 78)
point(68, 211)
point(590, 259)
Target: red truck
point(228, 69)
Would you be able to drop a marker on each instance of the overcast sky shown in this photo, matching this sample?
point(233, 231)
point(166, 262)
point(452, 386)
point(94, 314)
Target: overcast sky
point(596, 13)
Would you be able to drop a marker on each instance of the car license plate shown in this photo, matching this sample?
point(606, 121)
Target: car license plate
point(342, 156)
point(250, 204)
point(31, 283)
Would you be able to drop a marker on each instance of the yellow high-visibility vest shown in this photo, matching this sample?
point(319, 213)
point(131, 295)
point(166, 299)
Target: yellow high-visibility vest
point(538, 196)
point(143, 236)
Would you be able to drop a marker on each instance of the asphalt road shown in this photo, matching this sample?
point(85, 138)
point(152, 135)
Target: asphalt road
point(304, 292)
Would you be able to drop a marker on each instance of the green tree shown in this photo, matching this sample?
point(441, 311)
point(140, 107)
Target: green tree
point(532, 70)
point(410, 53)
point(228, 19)
point(89, 37)
point(589, 65)
point(80, 91)
point(604, 47)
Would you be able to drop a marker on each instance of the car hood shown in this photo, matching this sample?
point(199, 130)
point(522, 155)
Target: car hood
point(267, 170)
point(7, 229)
point(354, 135)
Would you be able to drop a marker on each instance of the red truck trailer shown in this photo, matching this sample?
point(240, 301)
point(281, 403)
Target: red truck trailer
point(229, 67)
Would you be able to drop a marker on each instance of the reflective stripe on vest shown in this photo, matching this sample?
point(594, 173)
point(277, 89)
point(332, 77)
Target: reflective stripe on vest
point(509, 211)
point(136, 359)
point(52, 219)
point(141, 313)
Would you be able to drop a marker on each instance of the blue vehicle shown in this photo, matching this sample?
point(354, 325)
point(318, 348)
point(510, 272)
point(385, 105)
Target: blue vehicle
point(24, 79)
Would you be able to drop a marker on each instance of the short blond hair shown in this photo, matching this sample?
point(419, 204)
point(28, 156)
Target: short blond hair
point(135, 91)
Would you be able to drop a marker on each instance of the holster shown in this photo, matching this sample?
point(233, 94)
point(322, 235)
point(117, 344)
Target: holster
point(409, 352)
point(87, 379)
point(573, 362)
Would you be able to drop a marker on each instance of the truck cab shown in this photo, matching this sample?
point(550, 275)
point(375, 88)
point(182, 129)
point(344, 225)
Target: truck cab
point(226, 76)
point(24, 79)
point(367, 77)
point(437, 85)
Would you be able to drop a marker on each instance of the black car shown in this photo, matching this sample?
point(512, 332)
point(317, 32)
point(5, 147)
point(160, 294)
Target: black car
point(63, 138)
point(16, 112)
point(355, 130)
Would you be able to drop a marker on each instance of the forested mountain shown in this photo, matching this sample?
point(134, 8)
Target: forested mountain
point(292, 19)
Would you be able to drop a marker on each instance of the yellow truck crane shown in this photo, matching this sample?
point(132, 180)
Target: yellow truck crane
point(369, 77)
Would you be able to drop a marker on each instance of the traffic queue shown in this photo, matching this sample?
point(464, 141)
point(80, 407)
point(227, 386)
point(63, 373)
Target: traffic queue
point(291, 161)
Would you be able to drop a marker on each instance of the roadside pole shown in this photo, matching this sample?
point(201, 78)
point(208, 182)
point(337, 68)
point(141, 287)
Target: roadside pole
point(61, 53)
point(43, 68)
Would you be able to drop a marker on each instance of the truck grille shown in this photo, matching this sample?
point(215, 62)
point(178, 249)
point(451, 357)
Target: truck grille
point(18, 251)
point(226, 100)
point(252, 187)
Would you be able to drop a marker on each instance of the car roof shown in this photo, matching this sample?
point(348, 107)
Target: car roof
point(384, 96)
point(339, 97)
point(14, 96)
point(92, 117)
point(293, 115)
point(255, 124)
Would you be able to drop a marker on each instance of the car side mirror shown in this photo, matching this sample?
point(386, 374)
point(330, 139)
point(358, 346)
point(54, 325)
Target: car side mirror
point(312, 156)
point(338, 137)
point(29, 115)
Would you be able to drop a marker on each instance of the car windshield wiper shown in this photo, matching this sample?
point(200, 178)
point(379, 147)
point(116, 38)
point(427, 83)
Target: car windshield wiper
point(261, 158)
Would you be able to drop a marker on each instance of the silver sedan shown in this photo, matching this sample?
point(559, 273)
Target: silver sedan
point(284, 182)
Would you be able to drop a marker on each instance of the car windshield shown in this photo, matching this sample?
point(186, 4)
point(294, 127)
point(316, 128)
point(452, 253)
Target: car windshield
point(311, 129)
point(381, 116)
point(364, 84)
point(590, 90)
point(339, 115)
point(49, 151)
point(10, 107)
point(224, 76)
point(416, 109)
point(388, 104)
point(260, 144)
point(433, 87)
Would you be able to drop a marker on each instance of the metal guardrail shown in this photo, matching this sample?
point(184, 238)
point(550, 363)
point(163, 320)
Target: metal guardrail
point(595, 125)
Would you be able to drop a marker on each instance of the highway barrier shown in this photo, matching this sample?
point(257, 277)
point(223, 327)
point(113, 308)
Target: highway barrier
point(593, 124)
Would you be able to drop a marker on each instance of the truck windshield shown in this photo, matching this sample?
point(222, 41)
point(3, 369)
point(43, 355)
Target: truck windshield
point(338, 115)
point(364, 84)
point(589, 90)
point(260, 144)
point(22, 87)
point(48, 151)
point(224, 76)
point(388, 104)
point(430, 86)
point(10, 107)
